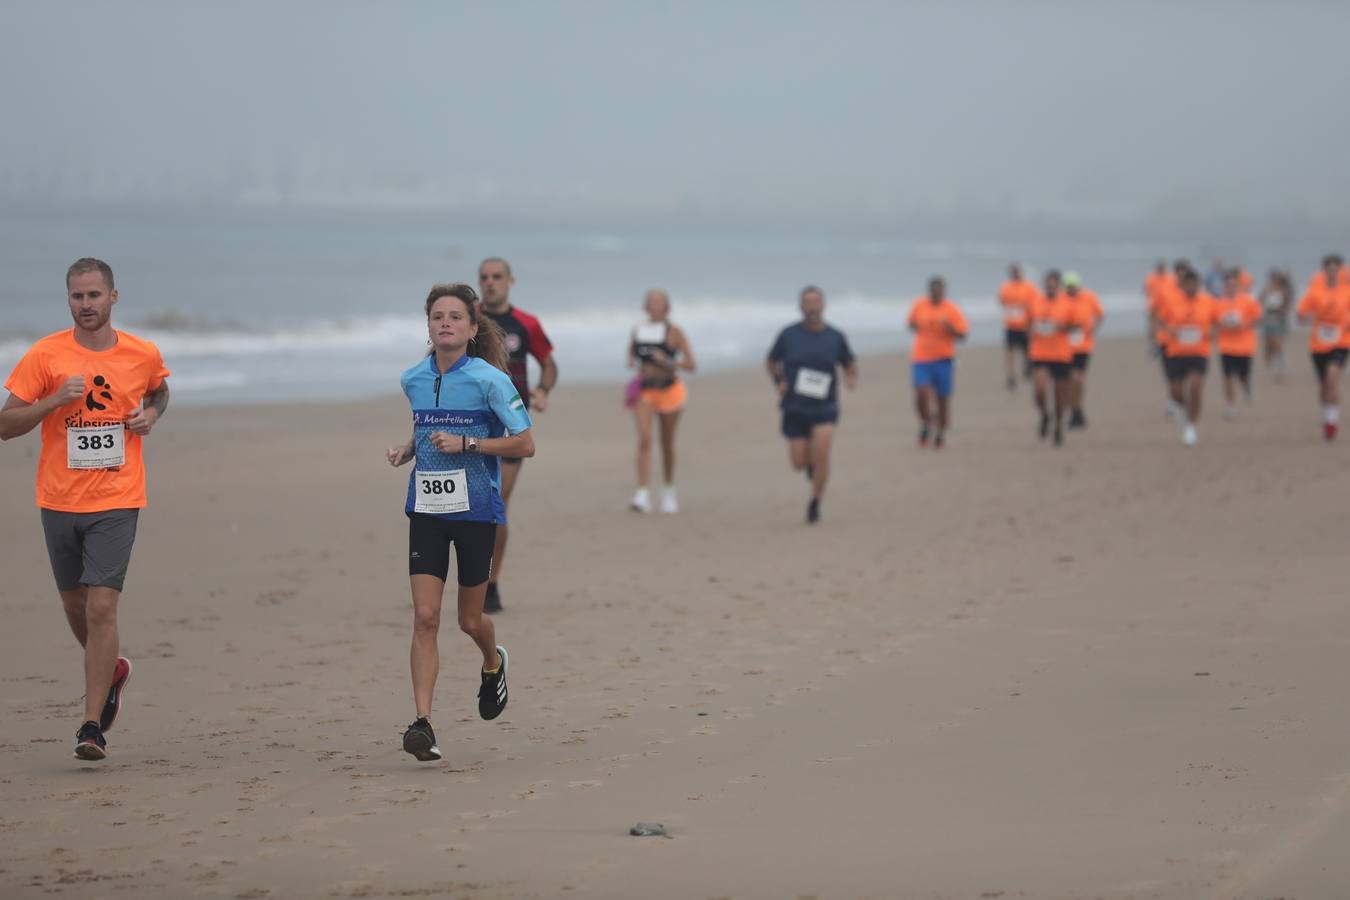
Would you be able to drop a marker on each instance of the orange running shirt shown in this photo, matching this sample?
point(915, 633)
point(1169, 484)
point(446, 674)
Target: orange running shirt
point(1192, 322)
point(1050, 323)
point(932, 341)
point(116, 380)
point(1329, 310)
point(1237, 318)
point(1161, 289)
point(1016, 297)
point(1083, 339)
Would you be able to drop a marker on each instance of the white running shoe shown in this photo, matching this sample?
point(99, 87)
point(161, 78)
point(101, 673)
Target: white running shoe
point(669, 504)
point(1189, 436)
point(642, 501)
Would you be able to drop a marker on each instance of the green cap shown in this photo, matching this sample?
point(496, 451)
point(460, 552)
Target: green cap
point(1071, 280)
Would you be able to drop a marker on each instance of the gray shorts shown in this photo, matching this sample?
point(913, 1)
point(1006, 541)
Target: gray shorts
point(91, 549)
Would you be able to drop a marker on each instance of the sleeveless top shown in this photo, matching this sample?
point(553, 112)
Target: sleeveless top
point(648, 337)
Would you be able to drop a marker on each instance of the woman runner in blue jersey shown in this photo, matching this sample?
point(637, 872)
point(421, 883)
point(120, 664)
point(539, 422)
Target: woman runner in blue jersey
point(466, 415)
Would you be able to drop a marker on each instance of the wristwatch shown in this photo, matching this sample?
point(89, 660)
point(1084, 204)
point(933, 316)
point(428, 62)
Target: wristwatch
point(472, 444)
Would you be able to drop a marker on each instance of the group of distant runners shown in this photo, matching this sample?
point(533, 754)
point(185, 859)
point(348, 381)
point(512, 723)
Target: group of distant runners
point(97, 393)
point(1190, 316)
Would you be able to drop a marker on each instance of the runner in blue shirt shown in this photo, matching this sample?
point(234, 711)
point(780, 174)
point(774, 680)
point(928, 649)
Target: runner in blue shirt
point(802, 364)
point(466, 416)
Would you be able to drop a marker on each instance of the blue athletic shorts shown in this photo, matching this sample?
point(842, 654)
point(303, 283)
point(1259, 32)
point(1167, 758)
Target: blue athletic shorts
point(936, 374)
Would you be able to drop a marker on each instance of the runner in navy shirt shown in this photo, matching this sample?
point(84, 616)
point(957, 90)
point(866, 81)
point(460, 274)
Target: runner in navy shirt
point(524, 338)
point(803, 364)
point(466, 416)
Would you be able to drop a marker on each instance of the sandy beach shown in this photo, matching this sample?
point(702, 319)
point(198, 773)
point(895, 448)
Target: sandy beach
point(1110, 670)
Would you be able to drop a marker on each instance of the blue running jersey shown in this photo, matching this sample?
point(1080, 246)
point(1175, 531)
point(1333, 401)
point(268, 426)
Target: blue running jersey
point(474, 398)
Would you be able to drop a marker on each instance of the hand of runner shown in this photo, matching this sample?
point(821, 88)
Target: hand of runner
point(141, 421)
point(539, 399)
point(399, 455)
point(446, 442)
point(73, 389)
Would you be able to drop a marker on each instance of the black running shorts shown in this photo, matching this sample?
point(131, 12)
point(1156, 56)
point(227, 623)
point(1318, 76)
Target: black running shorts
point(429, 540)
point(1179, 367)
point(1322, 360)
point(1059, 371)
point(1014, 337)
point(1241, 366)
point(1080, 361)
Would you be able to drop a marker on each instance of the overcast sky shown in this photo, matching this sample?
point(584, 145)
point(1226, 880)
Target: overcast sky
point(855, 110)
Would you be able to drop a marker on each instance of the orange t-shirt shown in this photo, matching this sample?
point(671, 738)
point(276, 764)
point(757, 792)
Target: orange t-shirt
point(1329, 310)
point(1155, 284)
point(1089, 310)
point(1161, 289)
point(1051, 321)
point(116, 380)
point(1016, 296)
point(1237, 318)
point(1191, 321)
point(1319, 278)
point(932, 340)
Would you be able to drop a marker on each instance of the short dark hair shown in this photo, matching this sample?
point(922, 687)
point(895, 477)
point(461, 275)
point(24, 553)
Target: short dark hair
point(810, 289)
point(496, 259)
point(87, 264)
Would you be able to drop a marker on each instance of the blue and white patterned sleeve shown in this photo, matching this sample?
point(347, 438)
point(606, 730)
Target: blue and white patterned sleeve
point(506, 403)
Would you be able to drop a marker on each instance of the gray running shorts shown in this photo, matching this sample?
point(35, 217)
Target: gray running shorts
point(90, 548)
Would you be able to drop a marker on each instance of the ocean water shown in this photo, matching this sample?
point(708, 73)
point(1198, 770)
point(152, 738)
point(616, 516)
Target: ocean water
point(258, 308)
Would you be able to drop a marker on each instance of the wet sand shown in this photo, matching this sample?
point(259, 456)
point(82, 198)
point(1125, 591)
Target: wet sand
point(1110, 670)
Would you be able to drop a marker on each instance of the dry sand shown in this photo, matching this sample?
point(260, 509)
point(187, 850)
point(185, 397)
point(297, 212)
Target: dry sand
point(1112, 670)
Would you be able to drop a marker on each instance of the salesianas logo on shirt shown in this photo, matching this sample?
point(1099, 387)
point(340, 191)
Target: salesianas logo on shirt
point(516, 402)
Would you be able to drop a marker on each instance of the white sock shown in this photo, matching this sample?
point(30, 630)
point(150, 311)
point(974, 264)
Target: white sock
point(1331, 414)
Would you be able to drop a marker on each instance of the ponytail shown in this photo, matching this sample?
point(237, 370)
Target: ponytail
point(490, 344)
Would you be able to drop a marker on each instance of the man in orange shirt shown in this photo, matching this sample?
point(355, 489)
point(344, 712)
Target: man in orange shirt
point(1015, 297)
point(96, 392)
point(1052, 318)
point(1082, 340)
point(938, 324)
point(1189, 319)
point(1238, 312)
point(1326, 307)
point(1156, 285)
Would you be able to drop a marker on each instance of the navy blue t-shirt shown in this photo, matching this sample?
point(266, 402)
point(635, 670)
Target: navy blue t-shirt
point(809, 360)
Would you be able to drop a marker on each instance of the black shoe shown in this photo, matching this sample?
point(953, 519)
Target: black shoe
point(939, 441)
point(1077, 420)
point(420, 741)
point(113, 705)
point(89, 742)
point(492, 603)
point(923, 436)
point(492, 692)
point(1012, 383)
point(1059, 436)
point(813, 512)
point(1045, 425)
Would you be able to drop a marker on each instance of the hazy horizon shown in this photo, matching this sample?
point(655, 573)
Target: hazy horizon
point(861, 115)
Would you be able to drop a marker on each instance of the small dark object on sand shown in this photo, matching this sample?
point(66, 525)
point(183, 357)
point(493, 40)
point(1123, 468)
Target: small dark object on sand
point(647, 829)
